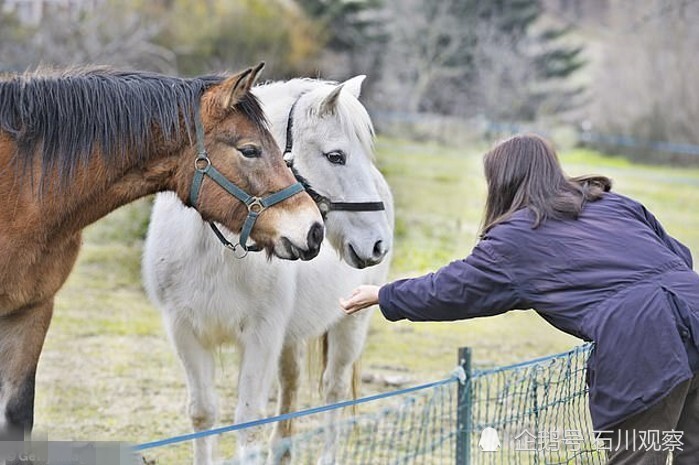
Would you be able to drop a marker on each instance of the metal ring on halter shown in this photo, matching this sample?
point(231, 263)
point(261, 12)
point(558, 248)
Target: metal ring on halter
point(238, 255)
point(324, 206)
point(199, 159)
point(256, 205)
point(234, 249)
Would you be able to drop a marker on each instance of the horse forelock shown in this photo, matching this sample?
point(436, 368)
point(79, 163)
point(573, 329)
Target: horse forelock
point(65, 117)
point(354, 118)
point(351, 115)
point(250, 106)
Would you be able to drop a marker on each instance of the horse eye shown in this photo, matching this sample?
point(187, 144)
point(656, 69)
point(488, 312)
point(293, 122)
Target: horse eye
point(336, 157)
point(250, 152)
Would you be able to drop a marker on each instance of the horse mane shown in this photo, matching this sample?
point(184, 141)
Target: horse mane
point(64, 117)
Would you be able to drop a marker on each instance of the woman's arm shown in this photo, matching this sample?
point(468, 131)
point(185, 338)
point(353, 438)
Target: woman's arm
point(479, 285)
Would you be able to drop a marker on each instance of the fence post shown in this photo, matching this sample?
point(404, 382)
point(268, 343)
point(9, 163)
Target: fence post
point(463, 411)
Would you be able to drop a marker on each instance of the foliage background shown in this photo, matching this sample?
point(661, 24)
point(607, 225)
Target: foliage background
point(620, 67)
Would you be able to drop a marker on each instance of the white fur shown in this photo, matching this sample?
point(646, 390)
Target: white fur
point(269, 308)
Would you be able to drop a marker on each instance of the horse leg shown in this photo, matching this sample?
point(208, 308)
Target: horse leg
point(22, 335)
point(261, 346)
point(345, 342)
point(198, 363)
point(289, 375)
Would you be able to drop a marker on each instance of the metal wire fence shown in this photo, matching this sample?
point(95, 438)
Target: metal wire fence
point(417, 428)
point(532, 413)
point(535, 412)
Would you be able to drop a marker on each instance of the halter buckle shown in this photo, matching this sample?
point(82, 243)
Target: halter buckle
point(256, 205)
point(324, 206)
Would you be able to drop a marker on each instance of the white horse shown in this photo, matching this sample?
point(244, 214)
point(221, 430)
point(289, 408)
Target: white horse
point(270, 307)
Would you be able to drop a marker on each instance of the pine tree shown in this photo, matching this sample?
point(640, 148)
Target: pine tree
point(348, 24)
point(488, 57)
point(540, 61)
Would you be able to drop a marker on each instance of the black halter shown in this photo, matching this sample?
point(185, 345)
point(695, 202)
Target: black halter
point(325, 205)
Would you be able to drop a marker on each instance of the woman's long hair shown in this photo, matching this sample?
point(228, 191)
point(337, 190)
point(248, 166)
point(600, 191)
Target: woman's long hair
point(524, 171)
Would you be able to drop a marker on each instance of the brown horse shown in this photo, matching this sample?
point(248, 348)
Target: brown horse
point(76, 145)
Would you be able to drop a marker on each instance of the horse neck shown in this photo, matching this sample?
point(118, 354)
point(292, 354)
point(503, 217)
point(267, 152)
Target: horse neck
point(158, 174)
point(94, 192)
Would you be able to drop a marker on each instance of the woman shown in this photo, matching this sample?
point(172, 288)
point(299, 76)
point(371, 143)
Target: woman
point(594, 264)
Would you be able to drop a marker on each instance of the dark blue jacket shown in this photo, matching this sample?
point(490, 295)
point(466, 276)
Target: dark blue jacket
point(613, 276)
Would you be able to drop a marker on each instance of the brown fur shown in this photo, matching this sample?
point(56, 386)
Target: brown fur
point(40, 231)
point(356, 371)
point(318, 356)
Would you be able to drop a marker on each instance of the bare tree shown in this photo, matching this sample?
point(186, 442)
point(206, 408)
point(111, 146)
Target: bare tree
point(427, 44)
point(107, 35)
point(647, 85)
point(469, 57)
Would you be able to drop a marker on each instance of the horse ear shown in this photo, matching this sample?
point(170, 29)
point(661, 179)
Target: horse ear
point(235, 87)
point(255, 72)
point(354, 85)
point(327, 106)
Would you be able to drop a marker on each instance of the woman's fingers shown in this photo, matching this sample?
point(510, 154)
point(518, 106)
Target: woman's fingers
point(359, 299)
point(350, 305)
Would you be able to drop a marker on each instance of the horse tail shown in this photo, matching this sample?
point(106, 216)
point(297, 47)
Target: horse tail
point(318, 356)
point(356, 379)
point(315, 358)
point(324, 360)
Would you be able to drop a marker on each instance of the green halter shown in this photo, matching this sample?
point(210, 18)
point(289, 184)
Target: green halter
point(255, 205)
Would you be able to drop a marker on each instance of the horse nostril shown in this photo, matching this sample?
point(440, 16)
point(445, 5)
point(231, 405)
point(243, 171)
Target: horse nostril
point(315, 236)
point(378, 249)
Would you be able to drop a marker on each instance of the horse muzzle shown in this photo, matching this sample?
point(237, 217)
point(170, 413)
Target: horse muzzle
point(287, 250)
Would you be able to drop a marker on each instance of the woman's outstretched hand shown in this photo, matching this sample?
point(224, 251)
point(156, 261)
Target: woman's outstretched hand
point(361, 298)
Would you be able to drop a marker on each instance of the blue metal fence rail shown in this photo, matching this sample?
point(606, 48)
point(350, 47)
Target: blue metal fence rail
point(291, 416)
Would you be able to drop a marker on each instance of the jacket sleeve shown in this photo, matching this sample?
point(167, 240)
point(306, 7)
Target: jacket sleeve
point(673, 244)
point(478, 285)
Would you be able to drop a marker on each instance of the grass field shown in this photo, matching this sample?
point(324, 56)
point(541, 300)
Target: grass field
point(108, 373)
